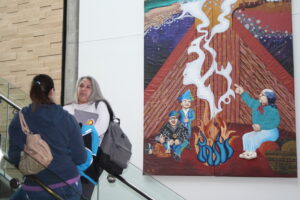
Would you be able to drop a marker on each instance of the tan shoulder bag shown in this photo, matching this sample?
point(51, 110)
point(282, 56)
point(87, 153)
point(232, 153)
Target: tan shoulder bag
point(37, 155)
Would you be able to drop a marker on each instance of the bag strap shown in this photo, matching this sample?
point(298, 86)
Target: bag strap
point(110, 110)
point(24, 125)
point(27, 131)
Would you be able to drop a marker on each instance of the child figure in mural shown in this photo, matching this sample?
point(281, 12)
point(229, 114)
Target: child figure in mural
point(175, 134)
point(162, 147)
point(187, 114)
point(265, 119)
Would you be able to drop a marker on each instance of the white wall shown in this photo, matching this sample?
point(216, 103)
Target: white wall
point(111, 50)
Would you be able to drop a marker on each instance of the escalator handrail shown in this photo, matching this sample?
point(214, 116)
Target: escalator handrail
point(11, 103)
point(39, 182)
point(133, 187)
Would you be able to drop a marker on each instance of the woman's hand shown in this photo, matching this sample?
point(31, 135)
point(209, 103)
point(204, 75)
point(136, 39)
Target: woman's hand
point(256, 127)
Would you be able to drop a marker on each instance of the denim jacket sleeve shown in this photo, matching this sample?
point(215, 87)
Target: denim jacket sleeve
point(17, 139)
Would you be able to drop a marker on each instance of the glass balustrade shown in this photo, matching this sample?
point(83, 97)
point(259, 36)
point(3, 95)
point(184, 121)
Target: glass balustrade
point(14, 93)
point(6, 114)
point(134, 175)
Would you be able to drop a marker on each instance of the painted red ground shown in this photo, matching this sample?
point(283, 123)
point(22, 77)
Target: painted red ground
point(189, 165)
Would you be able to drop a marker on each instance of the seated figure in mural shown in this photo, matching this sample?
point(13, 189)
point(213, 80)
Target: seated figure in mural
point(162, 147)
point(187, 114)
point(176, 134)
point(265, 119)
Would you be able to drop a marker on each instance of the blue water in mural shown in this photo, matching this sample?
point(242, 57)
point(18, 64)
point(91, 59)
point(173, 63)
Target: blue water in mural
point(159, 43)
point(151, 4)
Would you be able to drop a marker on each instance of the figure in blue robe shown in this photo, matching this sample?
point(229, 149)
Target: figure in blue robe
point(187, 114)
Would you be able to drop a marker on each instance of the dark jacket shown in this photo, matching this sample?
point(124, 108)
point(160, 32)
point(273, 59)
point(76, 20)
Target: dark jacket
point(62, 133)
point(180, 132)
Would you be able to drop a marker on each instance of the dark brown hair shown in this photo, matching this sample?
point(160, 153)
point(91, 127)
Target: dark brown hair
point(40, 87)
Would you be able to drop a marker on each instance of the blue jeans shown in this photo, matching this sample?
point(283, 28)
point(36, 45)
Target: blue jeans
point(69, 192)
point(177, 149)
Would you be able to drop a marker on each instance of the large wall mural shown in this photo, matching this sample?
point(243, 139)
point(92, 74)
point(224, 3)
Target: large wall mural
point(219, 88)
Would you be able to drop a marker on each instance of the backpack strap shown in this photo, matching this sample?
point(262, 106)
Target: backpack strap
point(24, 125)
point(110, 110)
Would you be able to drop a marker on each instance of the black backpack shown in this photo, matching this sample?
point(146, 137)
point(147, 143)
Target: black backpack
point(115, 149)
